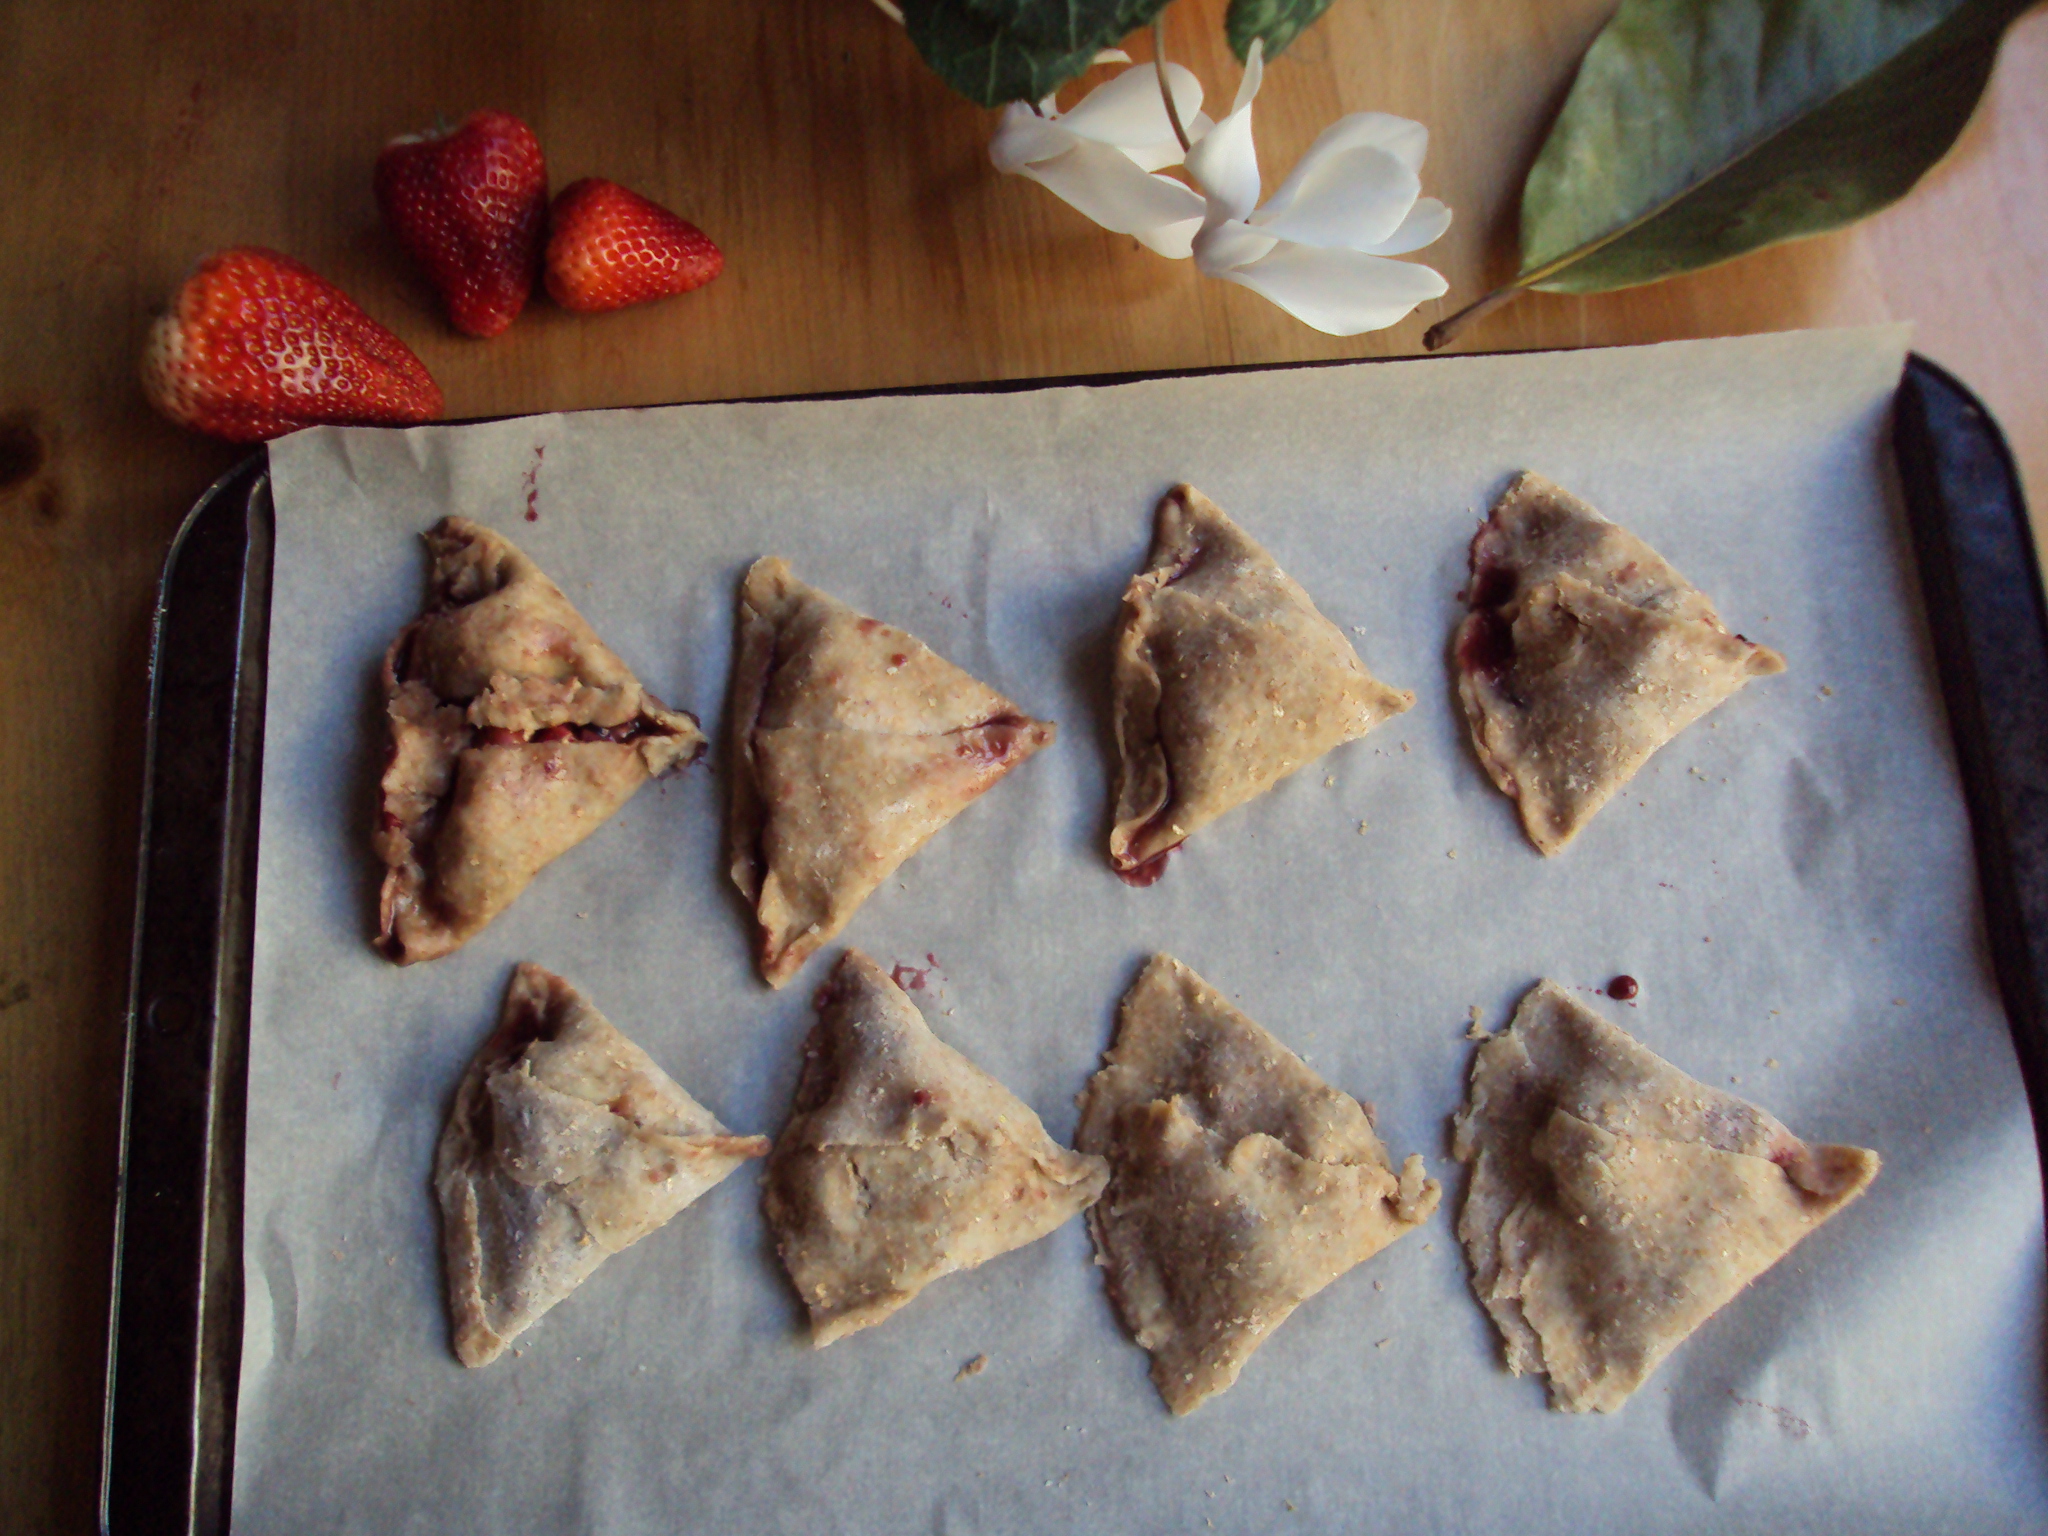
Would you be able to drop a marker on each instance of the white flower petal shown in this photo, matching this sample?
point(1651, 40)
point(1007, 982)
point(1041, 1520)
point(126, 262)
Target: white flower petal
point(1129, 112)
point(1354, 198)
point(1403, 138)
point(1229, 244)
point(1103, 184)
point(1341, 293)
point(1022, 136)
point(1173, 241)
point(1225, 163)
point(1153, 157)
point(1254, 74)
point(1426, 221)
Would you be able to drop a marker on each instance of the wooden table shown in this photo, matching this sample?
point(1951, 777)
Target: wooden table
point(868, 243)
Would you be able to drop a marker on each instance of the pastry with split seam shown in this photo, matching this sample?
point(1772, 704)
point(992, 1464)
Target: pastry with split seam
point(515, 734)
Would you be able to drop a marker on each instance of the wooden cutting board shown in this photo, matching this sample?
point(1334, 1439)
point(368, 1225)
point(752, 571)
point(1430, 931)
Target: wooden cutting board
point(868, 244)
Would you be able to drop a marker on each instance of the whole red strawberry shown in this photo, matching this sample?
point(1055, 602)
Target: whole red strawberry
point(257, 345)
point(469, 205)
point(608, 248)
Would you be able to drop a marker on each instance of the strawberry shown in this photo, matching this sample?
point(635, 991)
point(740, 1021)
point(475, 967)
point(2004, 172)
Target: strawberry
point(257, 345)
point(468, 205)
point(608, 248)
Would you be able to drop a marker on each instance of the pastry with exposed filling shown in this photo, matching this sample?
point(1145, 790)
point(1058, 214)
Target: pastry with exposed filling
point(1616, 1204)
point(1241, 1183)
point(903, 1161)
point(515, 734)
point(1227, 679)
point(851, 744)
point(1583, 653)
point(566, 1143)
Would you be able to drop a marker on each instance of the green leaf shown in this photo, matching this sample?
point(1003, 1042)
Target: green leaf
point(994, 51)
point(1699, 130)
point(1279, 22)
point(1062, 26)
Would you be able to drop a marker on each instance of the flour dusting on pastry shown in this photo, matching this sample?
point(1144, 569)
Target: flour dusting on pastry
point(1242, 1183)
point(903, 1161)
point(1227, 679)
point(566, 1143)
point(1583, 653)
point(1616, 1204)
point(852, 742)
point(515, 734)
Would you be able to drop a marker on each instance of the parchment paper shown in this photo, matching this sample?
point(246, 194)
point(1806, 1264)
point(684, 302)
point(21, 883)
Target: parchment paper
point(1790, 881)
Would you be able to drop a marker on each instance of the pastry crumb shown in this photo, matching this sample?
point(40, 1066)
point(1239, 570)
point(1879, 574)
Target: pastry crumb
point(973, 1367)
point(1826, 692)
point(1382, 1344)
point(1363, 828)
point(1450, 853)
point(1330, 781)
point(1771, 1061)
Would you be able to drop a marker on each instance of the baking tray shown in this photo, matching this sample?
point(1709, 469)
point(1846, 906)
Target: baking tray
point(175, 1330)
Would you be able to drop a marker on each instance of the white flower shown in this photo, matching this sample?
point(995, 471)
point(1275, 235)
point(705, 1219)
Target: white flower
point(1319, 247)
point(1101, 155)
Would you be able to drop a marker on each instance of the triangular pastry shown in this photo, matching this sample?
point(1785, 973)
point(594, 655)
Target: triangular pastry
point(566, 1143)
point(904, 1161)
point(1241, 1182)
point(1583, 653)
point(1616, 1203)
point(1227, 679)
point(852, 743)
point(514, 735)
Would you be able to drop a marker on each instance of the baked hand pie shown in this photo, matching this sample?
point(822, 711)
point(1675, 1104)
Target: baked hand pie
point(904, 1161)
point(1227, 679)
point(1616, 1204)
point(852, 743)
point(1241, 1183)
point(1583, 653)
point(514, 735)
point(566, 1143)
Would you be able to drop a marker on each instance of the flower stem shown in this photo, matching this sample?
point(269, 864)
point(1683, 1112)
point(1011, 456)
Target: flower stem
point(1166, 91)
point(1444, 332)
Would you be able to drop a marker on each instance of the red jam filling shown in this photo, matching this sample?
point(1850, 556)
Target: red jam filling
point(1147, 873)
point(1623, 988)
point(632, 730)
point(1486, 648)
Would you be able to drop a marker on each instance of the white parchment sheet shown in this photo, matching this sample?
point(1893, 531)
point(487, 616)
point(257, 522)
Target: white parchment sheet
point(1790, 881)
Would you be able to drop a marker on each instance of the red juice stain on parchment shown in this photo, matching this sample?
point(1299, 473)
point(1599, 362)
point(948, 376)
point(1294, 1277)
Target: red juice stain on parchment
point(532, 483)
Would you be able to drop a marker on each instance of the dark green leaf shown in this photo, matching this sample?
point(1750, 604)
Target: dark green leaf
point(1279, 22)
point(993, 51)
point(1063, 26)
point(1698, 130)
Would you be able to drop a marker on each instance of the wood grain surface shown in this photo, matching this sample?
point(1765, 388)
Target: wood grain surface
point(868, 244)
